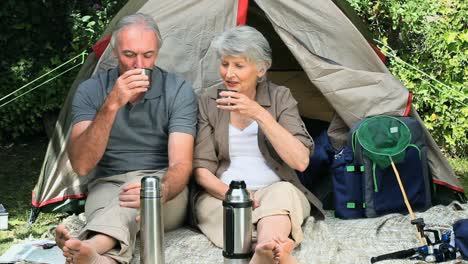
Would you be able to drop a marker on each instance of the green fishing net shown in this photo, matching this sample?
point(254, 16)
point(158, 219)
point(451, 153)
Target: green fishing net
point(384, 138)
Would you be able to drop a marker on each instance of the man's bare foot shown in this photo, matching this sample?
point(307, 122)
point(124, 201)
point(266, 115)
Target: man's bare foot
point(61, 235)
point(80, 252)
point(283, 250)
point(264, 253)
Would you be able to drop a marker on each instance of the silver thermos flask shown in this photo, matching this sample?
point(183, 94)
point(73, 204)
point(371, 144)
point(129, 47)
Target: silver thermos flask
point(151, 222)
point(237, 208)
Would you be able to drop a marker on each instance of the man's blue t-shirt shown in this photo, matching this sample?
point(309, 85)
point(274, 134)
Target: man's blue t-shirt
point(140, 133)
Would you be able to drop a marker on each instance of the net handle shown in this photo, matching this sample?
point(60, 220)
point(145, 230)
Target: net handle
point(405, 198)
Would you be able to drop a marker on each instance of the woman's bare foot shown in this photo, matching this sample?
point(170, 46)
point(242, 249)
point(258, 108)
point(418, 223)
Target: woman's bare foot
point(80, 252)
point(61, 235)
point(283, 250)
point(264, 253)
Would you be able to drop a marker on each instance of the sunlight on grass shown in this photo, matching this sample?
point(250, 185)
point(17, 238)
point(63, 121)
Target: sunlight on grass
point(460, 167)
point(18, 228)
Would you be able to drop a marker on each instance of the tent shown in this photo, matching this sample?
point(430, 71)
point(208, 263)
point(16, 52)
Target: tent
point(318, 52)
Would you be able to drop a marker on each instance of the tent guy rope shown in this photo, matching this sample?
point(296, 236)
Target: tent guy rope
point(72, 60)
point(392, 53)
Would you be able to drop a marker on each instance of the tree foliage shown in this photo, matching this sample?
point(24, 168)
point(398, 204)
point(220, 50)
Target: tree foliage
point(427, 44)
point(428, 40)
point(37, 37)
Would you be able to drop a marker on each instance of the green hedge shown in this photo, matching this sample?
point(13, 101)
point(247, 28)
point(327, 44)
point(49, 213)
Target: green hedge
point(430, 38)
point(38, 36)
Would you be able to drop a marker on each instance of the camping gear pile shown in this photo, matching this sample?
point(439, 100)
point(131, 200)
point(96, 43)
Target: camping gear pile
point(442, 248)
point(439, 250)
point(383, 169)
point(385, 140)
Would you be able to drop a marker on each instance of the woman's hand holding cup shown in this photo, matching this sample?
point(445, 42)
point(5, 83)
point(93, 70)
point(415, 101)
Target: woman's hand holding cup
point(224, 94)
point(237, 102)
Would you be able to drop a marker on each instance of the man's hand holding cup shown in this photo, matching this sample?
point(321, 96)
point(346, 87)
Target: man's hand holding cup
point(147, 72)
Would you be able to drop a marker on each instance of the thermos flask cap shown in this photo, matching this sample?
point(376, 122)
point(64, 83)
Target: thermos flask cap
point(150, 187)
point(237, 195)
point(237, 185)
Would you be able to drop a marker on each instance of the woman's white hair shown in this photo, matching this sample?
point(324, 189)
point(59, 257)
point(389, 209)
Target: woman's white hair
point(247, 42)
point(138, 19)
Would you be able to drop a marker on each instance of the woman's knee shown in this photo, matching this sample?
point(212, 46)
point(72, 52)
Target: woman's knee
point(282, 188)
point(286, 185)
point(208, 206)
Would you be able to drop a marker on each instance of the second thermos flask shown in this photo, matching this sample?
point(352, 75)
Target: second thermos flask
point(151, 221)
point(237, 208)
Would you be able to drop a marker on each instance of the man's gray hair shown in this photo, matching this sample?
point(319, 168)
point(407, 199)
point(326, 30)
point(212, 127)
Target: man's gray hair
point(244, 41)
point(138, 19)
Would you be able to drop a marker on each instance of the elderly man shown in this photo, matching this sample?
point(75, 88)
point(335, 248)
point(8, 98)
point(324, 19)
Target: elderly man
point(124, 129)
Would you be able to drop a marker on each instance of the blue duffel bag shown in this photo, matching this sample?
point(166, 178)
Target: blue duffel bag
point(316, 177)
point(347, 185)
point(460, 228)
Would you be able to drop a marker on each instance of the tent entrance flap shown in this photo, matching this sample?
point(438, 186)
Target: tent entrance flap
point(311, 102)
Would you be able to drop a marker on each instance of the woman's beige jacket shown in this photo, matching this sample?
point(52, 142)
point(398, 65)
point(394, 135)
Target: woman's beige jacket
point(212, 141)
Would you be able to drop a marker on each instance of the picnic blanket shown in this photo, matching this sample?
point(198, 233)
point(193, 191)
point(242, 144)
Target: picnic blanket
point(327, 241)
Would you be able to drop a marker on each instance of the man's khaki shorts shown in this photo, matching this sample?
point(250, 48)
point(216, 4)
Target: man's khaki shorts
point(104, 215)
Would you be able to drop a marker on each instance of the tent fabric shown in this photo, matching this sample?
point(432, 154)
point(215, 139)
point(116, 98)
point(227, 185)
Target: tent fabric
point(439, 167)
point(57, 181)
point(242, 7)
point(101, 46)
point(332, 71)
point(322, 29)
point(354, 92)
point(185, 48)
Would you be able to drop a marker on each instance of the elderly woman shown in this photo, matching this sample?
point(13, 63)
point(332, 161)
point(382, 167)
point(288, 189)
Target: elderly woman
point(253, 133)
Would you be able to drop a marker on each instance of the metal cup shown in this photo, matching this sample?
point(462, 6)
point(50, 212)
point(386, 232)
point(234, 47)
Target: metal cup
point(148, 72)
point(224, 90)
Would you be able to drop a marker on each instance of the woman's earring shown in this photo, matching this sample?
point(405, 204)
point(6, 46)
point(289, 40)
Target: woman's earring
point(261, 79)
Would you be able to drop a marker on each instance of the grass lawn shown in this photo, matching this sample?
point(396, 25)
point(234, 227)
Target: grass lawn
point(460, 166)
point(20, 166)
